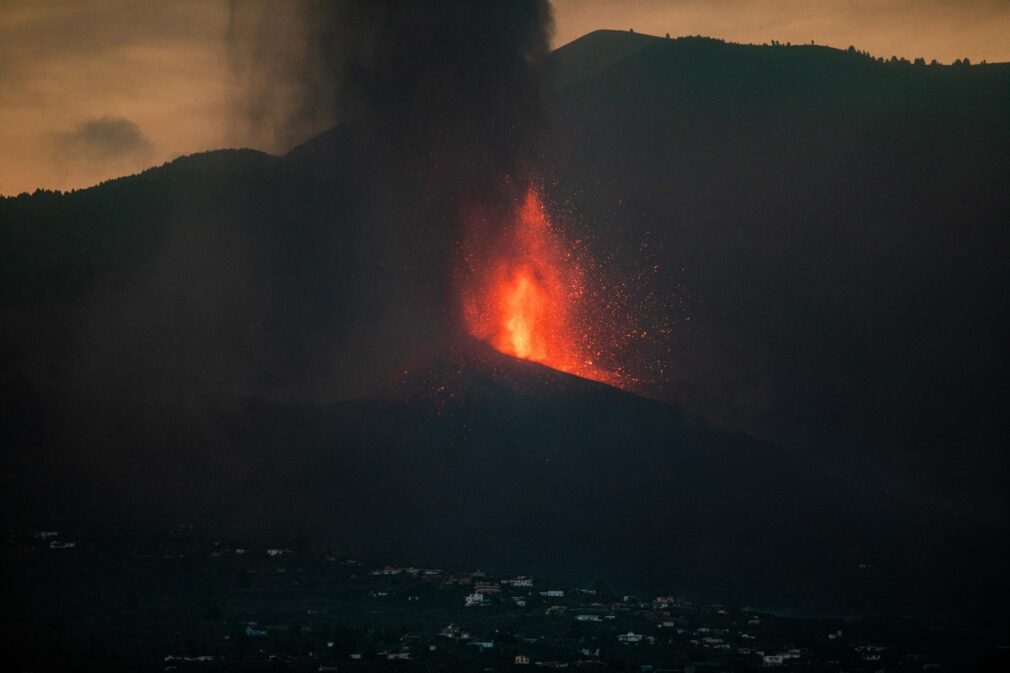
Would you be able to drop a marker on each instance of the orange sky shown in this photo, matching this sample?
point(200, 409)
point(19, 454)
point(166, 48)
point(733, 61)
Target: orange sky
point(940, 29)
point(93, 89)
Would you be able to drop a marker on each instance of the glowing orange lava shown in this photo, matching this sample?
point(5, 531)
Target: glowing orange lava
point(525, 293)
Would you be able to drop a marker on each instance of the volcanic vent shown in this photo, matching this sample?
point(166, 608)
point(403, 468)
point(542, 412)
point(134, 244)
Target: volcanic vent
point(530, 292)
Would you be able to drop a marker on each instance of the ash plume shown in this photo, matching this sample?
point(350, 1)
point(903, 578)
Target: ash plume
point(451, 85)
point(442, 100)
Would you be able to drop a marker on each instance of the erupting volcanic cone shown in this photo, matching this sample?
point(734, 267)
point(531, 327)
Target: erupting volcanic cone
point(524, 292)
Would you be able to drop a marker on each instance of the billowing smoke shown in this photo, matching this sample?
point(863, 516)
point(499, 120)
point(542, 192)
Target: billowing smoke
point(440, 103)
point(284, 82)
point(452, 85)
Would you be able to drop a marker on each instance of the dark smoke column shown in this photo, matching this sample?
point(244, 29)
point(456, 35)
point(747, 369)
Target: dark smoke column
point(450, 93)
point(445, 97)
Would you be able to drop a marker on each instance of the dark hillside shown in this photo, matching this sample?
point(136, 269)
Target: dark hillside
point(840, 229)
point(508, 466)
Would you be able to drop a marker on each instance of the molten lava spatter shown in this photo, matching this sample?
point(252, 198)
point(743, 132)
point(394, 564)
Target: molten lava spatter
point(524, 294)
point(525, 303)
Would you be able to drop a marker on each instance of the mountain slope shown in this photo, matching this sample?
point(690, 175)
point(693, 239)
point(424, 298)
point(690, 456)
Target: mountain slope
point(494, 463)
point(836, 229)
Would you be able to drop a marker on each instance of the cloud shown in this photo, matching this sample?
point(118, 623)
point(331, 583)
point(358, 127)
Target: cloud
point(95, 149)
point(106, 139)
point(63, 63)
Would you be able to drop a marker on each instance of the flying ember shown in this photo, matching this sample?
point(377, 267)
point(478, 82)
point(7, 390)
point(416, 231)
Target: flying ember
point(525, 294)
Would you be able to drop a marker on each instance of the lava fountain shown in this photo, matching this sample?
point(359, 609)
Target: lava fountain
point(524, 291)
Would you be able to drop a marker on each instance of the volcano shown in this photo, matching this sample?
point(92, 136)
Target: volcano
point(528, 292)
point(696, 359)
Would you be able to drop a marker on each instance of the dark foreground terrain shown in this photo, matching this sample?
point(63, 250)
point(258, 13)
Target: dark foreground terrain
point(489, 461)
point(173, 601)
